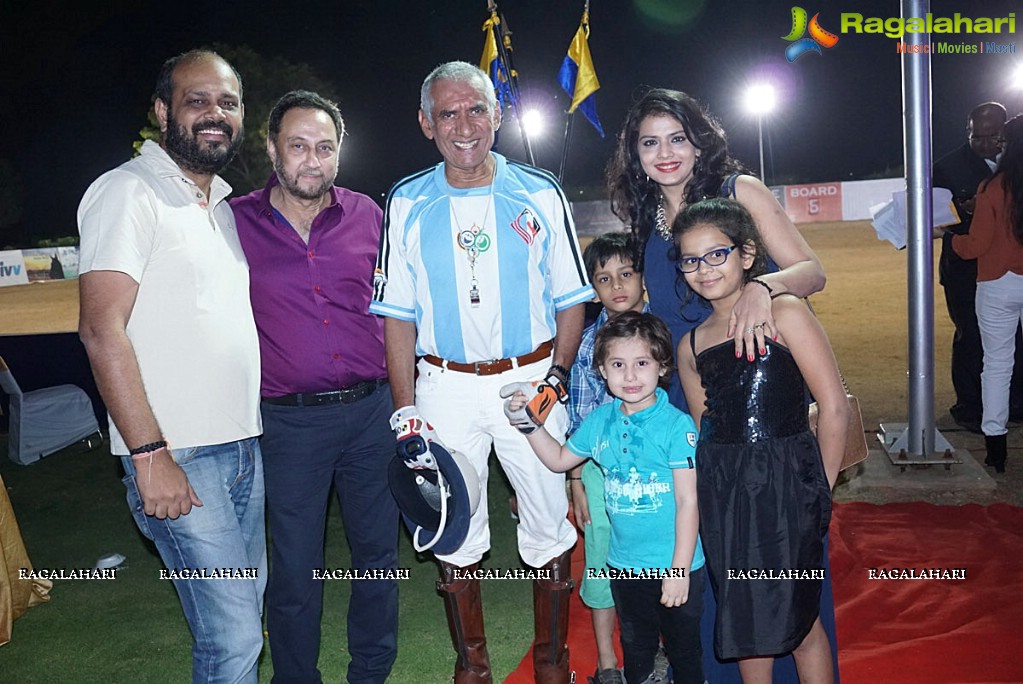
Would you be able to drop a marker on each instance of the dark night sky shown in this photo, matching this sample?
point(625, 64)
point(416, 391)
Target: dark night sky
point(76, 82)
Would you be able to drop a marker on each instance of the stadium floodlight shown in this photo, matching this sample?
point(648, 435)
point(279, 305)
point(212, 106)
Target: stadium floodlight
point(533, 121)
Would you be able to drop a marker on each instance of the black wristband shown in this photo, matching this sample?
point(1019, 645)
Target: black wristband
point(574, 478)
point(758, 281)
point(557, 378)
point(146, 448)
point(560, 370)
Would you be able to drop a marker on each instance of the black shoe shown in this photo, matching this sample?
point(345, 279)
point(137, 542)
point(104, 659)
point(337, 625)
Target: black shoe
point(967, 417)
point(996, 452)
point(969, 425)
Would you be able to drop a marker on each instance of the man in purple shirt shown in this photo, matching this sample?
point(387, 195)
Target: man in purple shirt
point(311, 248)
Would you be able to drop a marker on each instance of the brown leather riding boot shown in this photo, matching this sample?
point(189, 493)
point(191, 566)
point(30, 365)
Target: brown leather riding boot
point(550, 620)
point(465, 618)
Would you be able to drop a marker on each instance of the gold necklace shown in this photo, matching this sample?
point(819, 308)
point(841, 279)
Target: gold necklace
point(473, 241)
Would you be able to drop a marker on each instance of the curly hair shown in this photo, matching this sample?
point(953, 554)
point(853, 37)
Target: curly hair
point(634, 197)
point(1010, 170)
point(644, 326)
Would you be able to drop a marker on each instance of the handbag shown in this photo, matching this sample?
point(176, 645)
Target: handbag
point(855, 439)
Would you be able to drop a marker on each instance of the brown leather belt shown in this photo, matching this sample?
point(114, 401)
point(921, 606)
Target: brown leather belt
point(497, 365)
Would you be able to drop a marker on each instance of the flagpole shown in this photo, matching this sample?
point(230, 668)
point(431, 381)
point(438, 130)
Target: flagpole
point(569, 87)
point(569, 118)
point(505, 58)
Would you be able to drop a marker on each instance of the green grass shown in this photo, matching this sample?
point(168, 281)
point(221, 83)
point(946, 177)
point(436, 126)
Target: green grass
point(71, 510)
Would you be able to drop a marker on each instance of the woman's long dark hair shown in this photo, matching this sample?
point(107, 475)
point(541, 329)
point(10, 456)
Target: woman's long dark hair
point(1010, 170)
point(634, 197)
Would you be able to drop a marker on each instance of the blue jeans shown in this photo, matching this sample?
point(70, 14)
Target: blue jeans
point(226, 532)
point(306, 450)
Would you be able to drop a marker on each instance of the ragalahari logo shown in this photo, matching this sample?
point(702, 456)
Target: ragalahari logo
point(817, 39)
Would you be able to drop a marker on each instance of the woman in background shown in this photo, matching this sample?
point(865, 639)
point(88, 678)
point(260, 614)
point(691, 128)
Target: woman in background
point(995, 240)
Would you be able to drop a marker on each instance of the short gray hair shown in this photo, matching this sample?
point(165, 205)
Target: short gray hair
point(459, 72)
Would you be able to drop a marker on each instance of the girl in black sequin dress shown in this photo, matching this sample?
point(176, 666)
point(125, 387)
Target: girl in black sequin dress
point(763, 479)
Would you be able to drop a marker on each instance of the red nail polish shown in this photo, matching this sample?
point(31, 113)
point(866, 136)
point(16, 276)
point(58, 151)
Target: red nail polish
point(738, 354)
point(749, 356)
point(763, 350)
point(775, 338)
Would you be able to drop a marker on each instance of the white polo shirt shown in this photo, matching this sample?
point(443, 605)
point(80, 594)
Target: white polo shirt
point(528, 267)
point(191, 326)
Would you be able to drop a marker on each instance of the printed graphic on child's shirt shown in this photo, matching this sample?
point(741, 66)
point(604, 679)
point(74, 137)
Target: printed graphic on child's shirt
point(628, 491)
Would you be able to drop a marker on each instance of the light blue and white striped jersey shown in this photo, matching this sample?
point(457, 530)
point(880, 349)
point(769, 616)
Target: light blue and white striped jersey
point(529, 265)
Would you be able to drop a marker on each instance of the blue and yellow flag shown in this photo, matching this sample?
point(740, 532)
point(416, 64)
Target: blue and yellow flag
point(577, 76)
point(495, 67)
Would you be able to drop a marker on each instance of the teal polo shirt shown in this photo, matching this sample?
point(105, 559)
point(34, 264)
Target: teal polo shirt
point(637, 454)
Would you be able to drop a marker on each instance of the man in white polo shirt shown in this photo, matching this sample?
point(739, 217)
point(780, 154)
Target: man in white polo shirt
point(480, 275)
point(166, 322)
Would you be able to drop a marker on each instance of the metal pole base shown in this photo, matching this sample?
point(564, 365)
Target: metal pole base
point(894, 438)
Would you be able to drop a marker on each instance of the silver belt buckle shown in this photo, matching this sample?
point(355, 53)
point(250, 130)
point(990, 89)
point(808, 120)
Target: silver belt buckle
point(476, 365)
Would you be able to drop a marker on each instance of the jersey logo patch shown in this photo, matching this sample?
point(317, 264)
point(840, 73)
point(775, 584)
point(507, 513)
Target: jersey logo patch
point(691, 438)
point(526, 225)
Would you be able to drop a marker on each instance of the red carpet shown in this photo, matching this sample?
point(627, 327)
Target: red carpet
point(924, 631)
point(941, 631)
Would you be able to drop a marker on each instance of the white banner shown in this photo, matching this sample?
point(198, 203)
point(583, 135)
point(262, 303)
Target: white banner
point(12, 268)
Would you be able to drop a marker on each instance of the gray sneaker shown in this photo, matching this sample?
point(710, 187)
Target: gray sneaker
point(608, 676)
point(661, 667)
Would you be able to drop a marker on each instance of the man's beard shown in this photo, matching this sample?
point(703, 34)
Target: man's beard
point(290, 183)
point(186, 151)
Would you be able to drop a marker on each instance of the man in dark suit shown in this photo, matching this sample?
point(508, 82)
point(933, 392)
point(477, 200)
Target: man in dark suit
point(961, 171)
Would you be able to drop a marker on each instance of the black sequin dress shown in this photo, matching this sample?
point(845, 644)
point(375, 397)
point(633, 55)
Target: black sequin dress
point(764, 499)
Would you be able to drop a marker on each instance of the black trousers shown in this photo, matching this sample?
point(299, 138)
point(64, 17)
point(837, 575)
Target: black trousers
point(305, 450)
point(643, 620)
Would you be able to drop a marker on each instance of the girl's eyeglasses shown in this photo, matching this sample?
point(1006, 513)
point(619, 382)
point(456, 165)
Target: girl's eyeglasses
point(713, 258)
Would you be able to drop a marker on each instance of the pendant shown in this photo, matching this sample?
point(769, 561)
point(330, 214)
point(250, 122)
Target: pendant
point(474, 297)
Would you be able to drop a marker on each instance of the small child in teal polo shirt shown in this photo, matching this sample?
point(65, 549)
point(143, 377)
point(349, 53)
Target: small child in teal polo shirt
point(646, 450)
point(619, 287)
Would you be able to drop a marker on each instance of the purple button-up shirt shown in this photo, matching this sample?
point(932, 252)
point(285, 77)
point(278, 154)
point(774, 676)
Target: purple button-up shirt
point(311, 302)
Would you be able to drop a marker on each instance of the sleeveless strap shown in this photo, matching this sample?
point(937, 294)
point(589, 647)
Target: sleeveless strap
point(728, 186)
